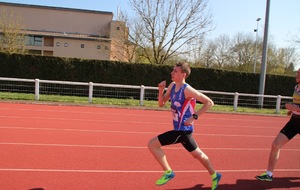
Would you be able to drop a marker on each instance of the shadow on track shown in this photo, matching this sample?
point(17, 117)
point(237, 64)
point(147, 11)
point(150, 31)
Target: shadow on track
point(246, 184)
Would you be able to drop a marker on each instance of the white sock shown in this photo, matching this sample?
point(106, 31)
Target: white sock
point(270, 174)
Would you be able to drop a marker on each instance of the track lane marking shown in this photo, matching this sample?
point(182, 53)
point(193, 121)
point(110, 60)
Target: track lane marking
point(125, 132)
point(136, 147)
point(135, 171)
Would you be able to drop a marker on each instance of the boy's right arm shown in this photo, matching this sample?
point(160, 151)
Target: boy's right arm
point(163, 97)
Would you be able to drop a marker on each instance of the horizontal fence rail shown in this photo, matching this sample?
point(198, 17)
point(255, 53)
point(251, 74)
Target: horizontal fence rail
point(98, 90)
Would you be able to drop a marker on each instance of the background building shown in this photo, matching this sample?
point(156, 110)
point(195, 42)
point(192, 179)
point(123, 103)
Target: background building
point(73, 33)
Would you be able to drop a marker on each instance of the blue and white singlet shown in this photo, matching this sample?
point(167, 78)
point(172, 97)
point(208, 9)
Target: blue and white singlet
point(181, 109)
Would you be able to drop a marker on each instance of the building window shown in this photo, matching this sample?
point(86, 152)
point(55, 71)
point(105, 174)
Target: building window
point(48, 53)
point(66, 44)
point(57, 44)
point(82, 45)
point(98, 47)
point(34, 52)
point(118, 28)
point(34, 40)
point(48, 41)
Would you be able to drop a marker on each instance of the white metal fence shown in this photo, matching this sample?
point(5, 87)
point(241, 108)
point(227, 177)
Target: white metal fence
point(90, 90)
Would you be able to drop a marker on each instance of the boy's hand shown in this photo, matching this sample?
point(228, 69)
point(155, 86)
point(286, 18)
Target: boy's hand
point(189, 121)
point(292, 107)
point(162, 85)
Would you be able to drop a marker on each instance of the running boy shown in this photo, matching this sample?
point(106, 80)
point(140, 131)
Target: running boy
point(289, 131)
point(183, 100)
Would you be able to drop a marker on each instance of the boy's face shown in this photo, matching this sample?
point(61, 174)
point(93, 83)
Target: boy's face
point(177, 74)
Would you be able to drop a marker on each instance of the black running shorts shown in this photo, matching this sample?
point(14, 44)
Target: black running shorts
point(292, 127)
point(174, 137)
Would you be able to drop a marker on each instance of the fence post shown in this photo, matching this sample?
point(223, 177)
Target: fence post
point(235, 101)
point(90, 92)
point(142, 95)
point(37, 89)
point(278, 103)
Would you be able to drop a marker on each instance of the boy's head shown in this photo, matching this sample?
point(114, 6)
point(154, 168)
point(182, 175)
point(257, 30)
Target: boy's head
point(185, 68)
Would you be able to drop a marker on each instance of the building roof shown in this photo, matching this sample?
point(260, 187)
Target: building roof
point(56, 21)
point(56, 8)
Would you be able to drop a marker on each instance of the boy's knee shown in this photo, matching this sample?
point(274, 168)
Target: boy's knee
point(153, 143)
point(150, 144)
point(197, 154)
point(275, 146)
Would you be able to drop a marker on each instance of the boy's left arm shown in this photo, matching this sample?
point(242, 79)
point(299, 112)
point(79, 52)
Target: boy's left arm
point(205, 100)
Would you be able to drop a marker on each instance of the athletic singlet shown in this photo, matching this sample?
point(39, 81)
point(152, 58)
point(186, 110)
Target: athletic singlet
point(181, 109)
point(296, 98)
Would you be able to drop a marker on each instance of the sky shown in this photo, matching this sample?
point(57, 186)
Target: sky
point(229, 16)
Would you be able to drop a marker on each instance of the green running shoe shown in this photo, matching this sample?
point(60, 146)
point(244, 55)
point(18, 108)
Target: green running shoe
point(215, 181)
point(264, 177)
point(167, 176)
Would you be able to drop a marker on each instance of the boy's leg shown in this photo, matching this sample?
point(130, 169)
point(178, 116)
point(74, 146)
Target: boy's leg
point(280, 140)
point(155, 148)
point(277, 144)
point(203, 158)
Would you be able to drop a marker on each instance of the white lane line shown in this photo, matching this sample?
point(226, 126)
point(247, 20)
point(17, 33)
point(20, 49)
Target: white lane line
point(135, 171)
point(135, 147)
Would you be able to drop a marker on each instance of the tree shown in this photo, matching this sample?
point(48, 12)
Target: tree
point(222, 50)
point(242, 52)
point(208, 55)
point(288, 57)
point(166, 26)
point(196, 51)
point(12, 37)
point(238, 54)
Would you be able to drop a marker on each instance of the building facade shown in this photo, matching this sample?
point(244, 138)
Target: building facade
point(71, 33)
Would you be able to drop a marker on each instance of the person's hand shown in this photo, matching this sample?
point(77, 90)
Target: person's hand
point(189, 121)
point(289, 106)
point(162, 85)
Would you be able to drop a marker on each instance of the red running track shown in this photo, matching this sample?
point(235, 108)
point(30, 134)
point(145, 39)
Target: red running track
point(46, 147)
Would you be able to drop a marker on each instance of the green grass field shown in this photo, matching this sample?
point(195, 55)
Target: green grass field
point(122, 103)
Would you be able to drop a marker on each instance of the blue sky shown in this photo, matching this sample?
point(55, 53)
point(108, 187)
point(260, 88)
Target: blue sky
point(229, 16)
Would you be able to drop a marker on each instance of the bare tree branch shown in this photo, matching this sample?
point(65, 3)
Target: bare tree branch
point(166, 26)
